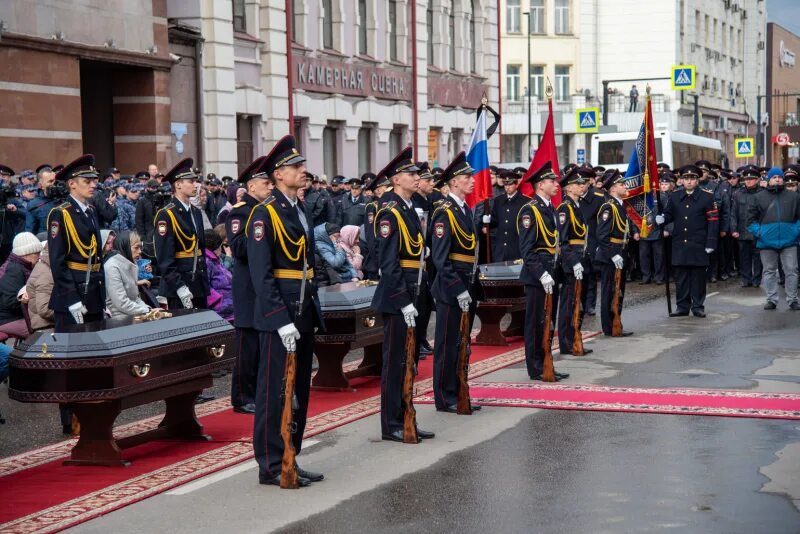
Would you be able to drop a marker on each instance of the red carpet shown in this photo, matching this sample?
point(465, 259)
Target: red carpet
point(41, 495)
point(643, 400)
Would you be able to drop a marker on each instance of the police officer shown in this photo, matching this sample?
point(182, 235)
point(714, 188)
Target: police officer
point(503, 219)
point(614, 229)
point(592, 197)
point(454, 248)
point(709, 182)
point(126, 208)
point(696, 228)
point(424, 208)
point(75, 249)
point(401, 247)
point(280, 249)
point(243, 380)
point(573, 239)
point(180, 244)
point(750, 267)
point(538, 241)
point(351, 211)
point(378, 185)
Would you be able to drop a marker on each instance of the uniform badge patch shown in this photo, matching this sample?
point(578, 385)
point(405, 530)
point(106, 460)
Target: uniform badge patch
point(258, 230)
point(386, 229)
point(370, 218)
point(439, 230)
point(162, 228)
point(526, 221)
point(562, 218)
point(606, 215)
point(55, 226)
point(236, 225)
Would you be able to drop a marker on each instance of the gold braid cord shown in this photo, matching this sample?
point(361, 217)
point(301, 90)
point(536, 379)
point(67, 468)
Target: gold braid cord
point(73, 238)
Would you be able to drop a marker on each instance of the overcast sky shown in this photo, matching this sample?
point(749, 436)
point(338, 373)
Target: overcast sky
point(786, 13)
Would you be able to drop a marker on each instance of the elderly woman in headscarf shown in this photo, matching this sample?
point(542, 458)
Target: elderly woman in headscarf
point(349, 243)
point(119, 265)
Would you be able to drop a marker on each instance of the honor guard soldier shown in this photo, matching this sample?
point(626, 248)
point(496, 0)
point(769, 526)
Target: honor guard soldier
point(180, 244)
point(243, 379)
point(573, 239)
point(696, 226)
point(614, 230)
point(400, 245)
point(280, 249)
point(378, 185)
point(73, 242)
point(454, 249)
point(592, 197)
point(505, 244)
point(422, 201)
point(538, 244)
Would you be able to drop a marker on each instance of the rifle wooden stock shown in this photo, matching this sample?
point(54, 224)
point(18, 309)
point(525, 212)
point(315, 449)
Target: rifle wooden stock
point(288, 466)
point(616, 326)
point(410, 414)
point(548, 372)
point(464, 406)
point(577, 339)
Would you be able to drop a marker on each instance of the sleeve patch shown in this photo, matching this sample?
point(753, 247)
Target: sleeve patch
point(258, 230)
point(370, 217)
point(386, 229)
point(439, 229)
point(162, 228)
point(606, 214)
point(562, 218)
point(236, 225)
point(55, 226)
point(526, 221)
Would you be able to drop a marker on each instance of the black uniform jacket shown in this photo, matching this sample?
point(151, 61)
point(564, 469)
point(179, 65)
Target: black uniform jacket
point(244, 297)
point(73, 239)
point(453, 247)
point(505, 246)
point(538, 239)
point(696, 226)
point(590, 205)
point(573, 233)
point(277, 246)
point(176, 243)
point(612, 238)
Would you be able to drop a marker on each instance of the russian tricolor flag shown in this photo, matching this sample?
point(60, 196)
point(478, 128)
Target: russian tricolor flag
point(478, 158)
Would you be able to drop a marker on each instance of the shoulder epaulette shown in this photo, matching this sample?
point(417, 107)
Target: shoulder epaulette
point(599, 194)
point(168, 206)
point(443, 205)
point(269, 200)
point(63, 206)
point(239, 204)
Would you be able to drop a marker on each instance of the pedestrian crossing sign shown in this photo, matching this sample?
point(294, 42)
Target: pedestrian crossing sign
point(744, 147)
point(586, 120)
point(683, 77)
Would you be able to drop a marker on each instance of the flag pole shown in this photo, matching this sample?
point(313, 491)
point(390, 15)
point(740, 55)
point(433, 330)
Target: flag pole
point(486, 207)
point(659, 208)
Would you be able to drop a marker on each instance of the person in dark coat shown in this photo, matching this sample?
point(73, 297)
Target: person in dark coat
point(592, 197)
point(503, 220)
point(749, 259)
point(351, 210)
point(695, 237)
point(18, 267)
point(378, 185)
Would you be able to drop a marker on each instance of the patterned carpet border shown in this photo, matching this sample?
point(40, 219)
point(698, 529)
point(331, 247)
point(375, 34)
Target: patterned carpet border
point(125, 493)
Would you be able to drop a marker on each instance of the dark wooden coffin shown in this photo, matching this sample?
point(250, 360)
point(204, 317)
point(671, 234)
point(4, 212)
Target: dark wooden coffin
point(504, 294)
point(350, 324)
point(104, 367)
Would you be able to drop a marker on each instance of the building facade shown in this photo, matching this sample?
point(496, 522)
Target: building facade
point(782, 132)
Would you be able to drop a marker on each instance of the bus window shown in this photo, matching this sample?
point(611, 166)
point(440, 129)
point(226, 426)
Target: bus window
point(619, 152)
point(686, 154)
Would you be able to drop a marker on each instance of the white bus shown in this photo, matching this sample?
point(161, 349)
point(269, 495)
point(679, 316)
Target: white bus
point(613, 150)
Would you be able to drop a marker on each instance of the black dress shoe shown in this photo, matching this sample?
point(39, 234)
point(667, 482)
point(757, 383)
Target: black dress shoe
point(564, 352)
point(724, 277)
point(644, 282)
point(659, 282)
point(626, 333)
point(794, 306)
point(397, 436)
point(561, 376)
point(276, 481)
point(770, 305)
point(713, 280)
point(426, 346)
point(538, 377)
point(699, 314)
point(453, 408)
point(587, 351)
point(310, 475)
point(747, 285)
point(246, 408)
point(200, 399)
point(679, 314)
point(425, 434)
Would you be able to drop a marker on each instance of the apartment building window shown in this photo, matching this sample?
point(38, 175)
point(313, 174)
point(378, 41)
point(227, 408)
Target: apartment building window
point(537, 81)
point(393, 30)
point(562, 82)
point(362, 27)
point(473, 53)
point(452, 34)
point(296, 22)
point(364, 149)
point(562, 17)
point(512, 82)
point(429, 25)
point(536, 21)
point(512, 16)
point(327, 23)
point(456, 136)
point(244, 141)
point(239, 16)
point(397, 139)
point(330, 150)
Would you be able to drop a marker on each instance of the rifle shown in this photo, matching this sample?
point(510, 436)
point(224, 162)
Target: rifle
point(288, 466)
point(667, 254)
point(410, 413)
point(577, 340)
point(464, 406)
point(548, 371)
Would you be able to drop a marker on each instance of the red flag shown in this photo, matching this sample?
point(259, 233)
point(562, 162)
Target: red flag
point(546, 152)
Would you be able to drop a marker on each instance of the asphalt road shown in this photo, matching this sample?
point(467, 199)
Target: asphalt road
point(522, 470)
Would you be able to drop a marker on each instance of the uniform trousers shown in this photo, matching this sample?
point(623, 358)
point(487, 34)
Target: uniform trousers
point(424, 307)
point(566, 308)
point(393, 372)
point(245, 370)
point(607, 273)
point(713, 265)
point(727, 246)
point(690, 288)
point(749, 263)
point(267, 442)
point(651, 258)
point(447, 340)
point(589, 296)
point(534, 328)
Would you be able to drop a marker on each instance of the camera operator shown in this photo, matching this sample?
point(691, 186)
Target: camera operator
point(149, 203)
point(39, 207)
point(12, 216)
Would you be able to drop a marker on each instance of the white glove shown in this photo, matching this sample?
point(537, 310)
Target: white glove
point(547, 282)
point(186, 297)
point(487, 219)
point(660, 219)
point(420, 213)
point(427, 252)
point(618, 261)
point(409, 312)
point(709, 250)
point(78, 310)
point(463, 301)
point(577, 270)
point(289, 336)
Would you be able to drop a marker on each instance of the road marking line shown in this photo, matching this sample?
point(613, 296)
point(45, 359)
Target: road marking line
point(226, 473)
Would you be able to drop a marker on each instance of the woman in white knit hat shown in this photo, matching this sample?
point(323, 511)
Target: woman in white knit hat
point(24, 255)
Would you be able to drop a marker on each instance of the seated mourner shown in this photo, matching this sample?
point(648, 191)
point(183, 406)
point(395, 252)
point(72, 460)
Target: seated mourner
point(121, 274)
point(332, 266)
point(24, 255)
